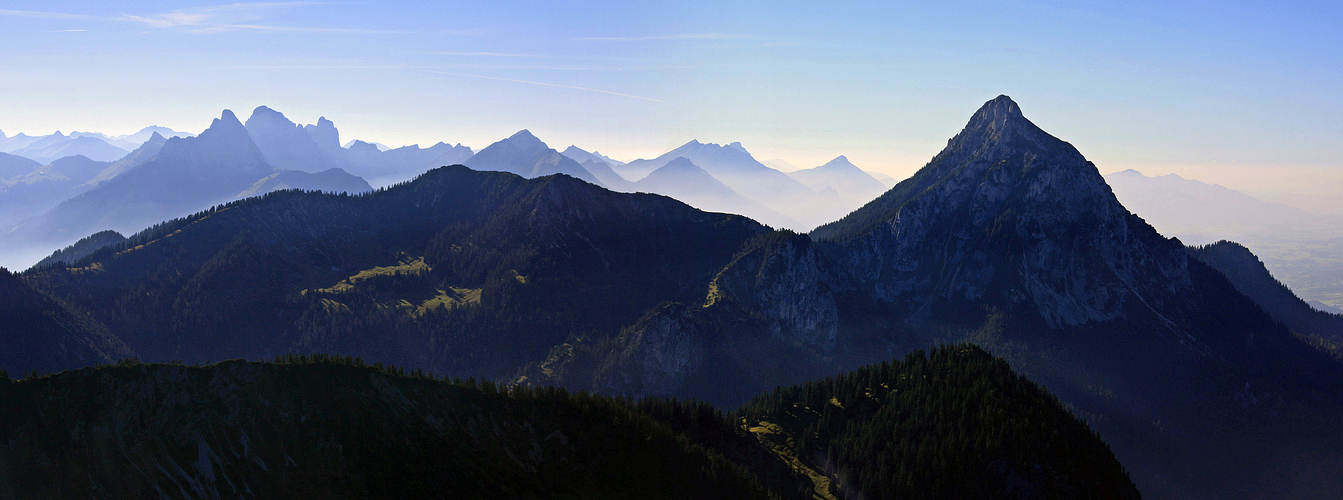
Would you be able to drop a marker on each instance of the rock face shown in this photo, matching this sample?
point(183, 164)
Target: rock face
point(1007, 210)
point(654, 356)
point(786, 279)
point(290, 146)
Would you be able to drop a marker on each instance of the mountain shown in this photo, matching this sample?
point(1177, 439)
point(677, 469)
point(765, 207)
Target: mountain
point(71, 169)
point(57, 146)
point(13, 166)
point(525, 155)
point(334, 426)
point(331, 180)
point(871, 432)
point(82, 248)
point(780, 165)
point(1251, 278)
point(1300, 248)
point(41, 334)
point(842, 176)
point(148, 149)
point(735, 167)
point(683, 180)
point(886, 180)
point(350, 143)
point(134, 141)
point(1009, 238)
point(428, 270)
point(290, 146)
point(1202, 213)
point(186, 175)
point(383, 167)
point(579, 155)
point(852, 186)
point(17, 142)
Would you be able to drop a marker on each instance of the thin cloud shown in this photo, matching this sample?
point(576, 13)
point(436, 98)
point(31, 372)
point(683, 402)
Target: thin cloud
point(600, 91)
point(215, 19)
point(42, 15)
point(679, 36)
point(68, 31)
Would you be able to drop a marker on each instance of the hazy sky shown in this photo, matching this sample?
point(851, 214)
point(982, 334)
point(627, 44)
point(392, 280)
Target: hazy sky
point(1212, 87)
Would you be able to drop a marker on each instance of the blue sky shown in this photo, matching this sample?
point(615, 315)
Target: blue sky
point(1159, 86)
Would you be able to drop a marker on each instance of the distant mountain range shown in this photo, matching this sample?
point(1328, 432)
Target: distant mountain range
point(1302, 249)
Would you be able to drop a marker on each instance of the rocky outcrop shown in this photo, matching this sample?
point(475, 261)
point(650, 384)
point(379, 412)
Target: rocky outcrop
point(653, 357)
point(784, 278)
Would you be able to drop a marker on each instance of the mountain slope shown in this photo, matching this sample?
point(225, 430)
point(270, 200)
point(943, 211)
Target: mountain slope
point(439, 273)
point(1010, 238)
point(13, 166)
point(877, 432)
point(336, 427)
point(842, 176)
point(41, 334)
point(58, 146)
point(337, 430)
point(685, 181)
point(1251, 278)
point(523, 154)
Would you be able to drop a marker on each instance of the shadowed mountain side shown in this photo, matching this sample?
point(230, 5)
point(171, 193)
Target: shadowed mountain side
point(470, 262)
point(613, 181)
point(41, 334)
point(14, 166)
point(1010, 238)
point(82, 248)
point(345, 430)
point(1254, 280)
point(523, 154)
point(334, 427)
point(147, 150)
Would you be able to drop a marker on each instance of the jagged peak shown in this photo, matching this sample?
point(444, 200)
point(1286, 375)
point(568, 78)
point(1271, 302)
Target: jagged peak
point(227, 120)
point(268, 115)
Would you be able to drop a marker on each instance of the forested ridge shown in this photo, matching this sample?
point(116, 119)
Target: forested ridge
point(335, 427)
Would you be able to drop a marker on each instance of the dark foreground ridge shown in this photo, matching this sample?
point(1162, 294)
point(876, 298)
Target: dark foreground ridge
point(330, 427)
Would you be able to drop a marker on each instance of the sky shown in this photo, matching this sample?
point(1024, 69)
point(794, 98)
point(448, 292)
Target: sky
point(1242, 93)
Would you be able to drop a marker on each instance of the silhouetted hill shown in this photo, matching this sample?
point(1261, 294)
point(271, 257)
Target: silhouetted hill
point(335, 427)
point(955, 423)
point(338, 430)
point(1254, 280)
point(41, 334)
point(82, 248)
point(440, 273)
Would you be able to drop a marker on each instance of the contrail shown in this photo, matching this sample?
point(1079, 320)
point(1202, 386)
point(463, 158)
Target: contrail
point(545, 84)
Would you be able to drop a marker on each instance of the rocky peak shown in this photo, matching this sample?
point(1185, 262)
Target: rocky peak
point(525, 141)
